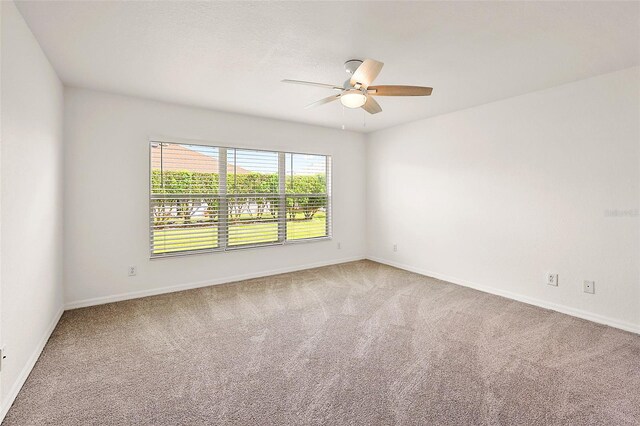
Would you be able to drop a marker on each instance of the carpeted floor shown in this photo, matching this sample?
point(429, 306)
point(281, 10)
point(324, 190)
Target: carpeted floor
point(357, 343)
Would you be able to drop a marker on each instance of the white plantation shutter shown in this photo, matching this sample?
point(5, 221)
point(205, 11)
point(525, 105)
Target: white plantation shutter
point(207, 198)
point(252, 194)
point(307, 195)
point(185, 198)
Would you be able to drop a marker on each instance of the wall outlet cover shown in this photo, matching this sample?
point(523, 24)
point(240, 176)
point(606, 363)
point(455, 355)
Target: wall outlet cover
point(589, 287)
point(552, 279)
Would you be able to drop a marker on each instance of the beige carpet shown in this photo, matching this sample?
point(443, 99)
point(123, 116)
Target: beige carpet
point(358, 343)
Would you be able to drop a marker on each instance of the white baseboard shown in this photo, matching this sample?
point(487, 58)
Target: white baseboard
point(26, 370)
point(180, 287)
point(600, 319)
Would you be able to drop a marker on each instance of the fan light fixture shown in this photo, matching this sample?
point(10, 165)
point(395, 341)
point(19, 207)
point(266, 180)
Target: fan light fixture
point(353, 99)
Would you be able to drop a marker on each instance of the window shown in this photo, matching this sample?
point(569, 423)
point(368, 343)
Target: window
point(206, 198)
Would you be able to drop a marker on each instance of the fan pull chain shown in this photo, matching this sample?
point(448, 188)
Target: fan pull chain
point(364, 118)
point(343, 126)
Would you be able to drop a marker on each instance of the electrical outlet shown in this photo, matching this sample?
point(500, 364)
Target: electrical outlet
point(339, 246)
point(3, 356)
point(552, 279)
point(395, 247)
point(132, 271)
point(589, 287)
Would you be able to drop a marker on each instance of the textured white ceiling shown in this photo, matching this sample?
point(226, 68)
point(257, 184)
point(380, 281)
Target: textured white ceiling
point(232, 55)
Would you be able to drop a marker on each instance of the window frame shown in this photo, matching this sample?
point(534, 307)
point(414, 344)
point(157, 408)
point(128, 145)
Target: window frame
point(224, 247)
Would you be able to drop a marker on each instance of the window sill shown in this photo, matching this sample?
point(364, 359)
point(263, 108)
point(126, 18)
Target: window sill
point(238, 248)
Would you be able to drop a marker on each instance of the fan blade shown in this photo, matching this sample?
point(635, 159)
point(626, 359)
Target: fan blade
point(311, 83)
point(371, 106)
point(400, 90)
point(366, 73)
point(324, 101)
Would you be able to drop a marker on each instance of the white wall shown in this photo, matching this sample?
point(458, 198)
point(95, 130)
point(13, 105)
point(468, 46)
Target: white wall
point(107, 195)
point(501, 194)
point(31, 177)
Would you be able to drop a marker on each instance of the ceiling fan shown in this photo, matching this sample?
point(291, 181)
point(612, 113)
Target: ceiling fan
point(357, 92)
